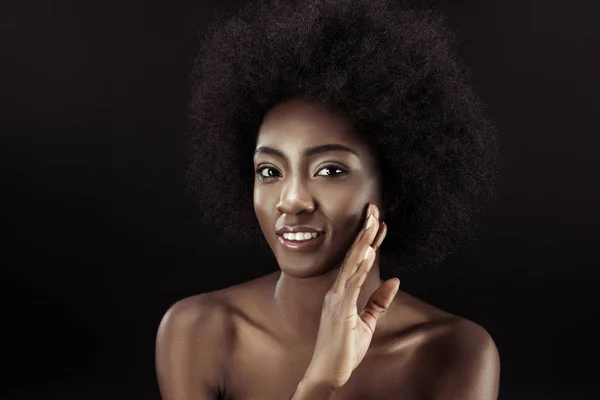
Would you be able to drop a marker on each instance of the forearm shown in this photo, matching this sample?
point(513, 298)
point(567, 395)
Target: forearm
point(309, 389)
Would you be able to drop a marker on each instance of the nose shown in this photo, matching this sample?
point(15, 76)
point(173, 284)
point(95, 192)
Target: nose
point(295, 198)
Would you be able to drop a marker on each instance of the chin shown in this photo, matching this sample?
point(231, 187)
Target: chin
point(300, 271)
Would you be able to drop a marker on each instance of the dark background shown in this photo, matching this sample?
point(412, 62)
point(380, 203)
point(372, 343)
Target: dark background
point(98, 239)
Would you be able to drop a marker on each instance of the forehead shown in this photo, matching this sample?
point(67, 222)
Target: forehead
point(298, 124)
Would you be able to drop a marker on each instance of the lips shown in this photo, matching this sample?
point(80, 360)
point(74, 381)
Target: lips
point(304, 245)
point(298, 228)
point(318, 233)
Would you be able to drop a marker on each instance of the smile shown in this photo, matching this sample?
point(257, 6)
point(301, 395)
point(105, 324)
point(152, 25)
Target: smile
point(297, 241)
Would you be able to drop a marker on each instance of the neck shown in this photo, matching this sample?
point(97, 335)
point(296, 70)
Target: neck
point(299, 301)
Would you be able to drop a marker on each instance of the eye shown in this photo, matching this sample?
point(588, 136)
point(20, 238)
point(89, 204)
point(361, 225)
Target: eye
point(333, 168)
point(262, 177)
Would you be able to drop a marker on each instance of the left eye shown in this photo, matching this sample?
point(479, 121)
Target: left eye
point(332, 167)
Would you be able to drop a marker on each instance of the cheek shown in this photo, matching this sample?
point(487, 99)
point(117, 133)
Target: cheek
point(261, 197)
point(346, 210)
point(261, 208)
point(346, 214)
point(265, 203)
point(348, 201)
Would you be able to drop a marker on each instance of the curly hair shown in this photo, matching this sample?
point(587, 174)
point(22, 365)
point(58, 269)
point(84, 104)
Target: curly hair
point(389, 67)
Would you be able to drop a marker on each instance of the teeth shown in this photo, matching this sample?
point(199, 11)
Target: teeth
point(300, 236)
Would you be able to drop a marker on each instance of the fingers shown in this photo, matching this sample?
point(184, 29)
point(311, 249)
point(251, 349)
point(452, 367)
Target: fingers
point(370, 237)
point(355, 282)
point(379, 302)
point(360, 238)
point(380, 236)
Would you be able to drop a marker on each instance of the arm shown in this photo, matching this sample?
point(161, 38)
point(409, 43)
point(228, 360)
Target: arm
point(189, 347)
point(470, 369)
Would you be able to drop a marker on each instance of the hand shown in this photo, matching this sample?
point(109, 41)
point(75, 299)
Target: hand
point(344, 335)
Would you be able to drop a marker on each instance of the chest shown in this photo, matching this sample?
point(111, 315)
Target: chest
point(262, 369)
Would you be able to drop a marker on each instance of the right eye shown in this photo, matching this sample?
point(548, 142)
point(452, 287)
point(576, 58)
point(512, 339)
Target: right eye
point(260, 174)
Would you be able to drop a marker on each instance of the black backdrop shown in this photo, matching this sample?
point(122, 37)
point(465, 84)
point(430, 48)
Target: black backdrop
point(97, 238)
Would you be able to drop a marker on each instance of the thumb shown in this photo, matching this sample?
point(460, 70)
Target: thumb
point(379, 302)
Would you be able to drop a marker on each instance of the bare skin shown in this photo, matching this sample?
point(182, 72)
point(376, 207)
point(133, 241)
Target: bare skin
point(230, 344)
point(256, 340)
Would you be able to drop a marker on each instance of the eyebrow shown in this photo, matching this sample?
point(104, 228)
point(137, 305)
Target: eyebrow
point(311, 151)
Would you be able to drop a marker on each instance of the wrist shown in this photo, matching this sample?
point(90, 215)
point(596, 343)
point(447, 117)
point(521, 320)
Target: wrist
point(314, 389)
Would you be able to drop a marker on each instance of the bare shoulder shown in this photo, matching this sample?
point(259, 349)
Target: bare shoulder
point(213, 310)
point(452, 357)
point(210, 315)
point(466, 336)
point(461, 357)
point(205, 310)
point(191, 345)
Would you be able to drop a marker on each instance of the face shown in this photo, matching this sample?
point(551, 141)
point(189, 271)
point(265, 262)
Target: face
point(326, 190)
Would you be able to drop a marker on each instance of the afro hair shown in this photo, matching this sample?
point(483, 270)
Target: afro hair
point(389, 67)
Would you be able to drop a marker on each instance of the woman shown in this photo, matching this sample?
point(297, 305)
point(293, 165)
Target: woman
point(344, 110)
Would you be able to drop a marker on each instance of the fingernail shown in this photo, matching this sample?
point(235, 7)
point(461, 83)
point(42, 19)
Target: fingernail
point(369, 222)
